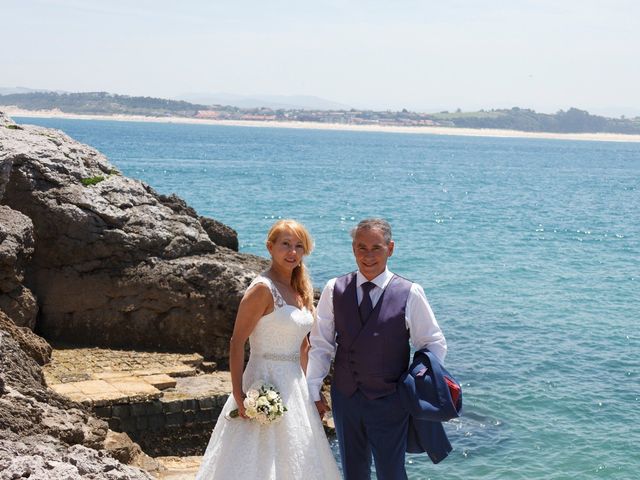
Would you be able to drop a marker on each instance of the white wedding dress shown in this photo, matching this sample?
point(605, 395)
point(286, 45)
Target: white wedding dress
point(293, 448)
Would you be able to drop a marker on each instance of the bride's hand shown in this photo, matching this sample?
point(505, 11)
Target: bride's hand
point(322, 406)
point(239, 398)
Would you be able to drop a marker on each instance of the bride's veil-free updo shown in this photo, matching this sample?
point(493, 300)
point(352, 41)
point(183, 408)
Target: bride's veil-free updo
point(300, 280)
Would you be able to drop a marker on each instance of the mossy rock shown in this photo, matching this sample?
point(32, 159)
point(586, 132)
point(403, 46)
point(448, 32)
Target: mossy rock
point(92, 180)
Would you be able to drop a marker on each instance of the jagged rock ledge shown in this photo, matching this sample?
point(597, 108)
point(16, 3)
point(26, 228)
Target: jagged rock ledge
point(102, 259)
point(46, 436)
point(90, 257)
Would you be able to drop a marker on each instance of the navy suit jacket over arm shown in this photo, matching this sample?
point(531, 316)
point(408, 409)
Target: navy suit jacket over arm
point(431, 396)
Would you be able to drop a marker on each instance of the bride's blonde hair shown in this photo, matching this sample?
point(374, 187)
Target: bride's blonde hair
point(300, 280)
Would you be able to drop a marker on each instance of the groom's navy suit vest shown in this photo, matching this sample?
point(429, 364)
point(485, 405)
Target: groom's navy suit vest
point(371, 353)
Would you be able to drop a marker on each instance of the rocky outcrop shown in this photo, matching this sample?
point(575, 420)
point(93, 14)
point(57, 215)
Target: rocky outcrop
point(33, 345)
point(114, 263)
point(29, 408)
point(84, 211)
point(16, 249)
point(43, 457)
point(125, 450)
point(185, 303)
point(5, 164)
point(44, 435)
point(218, 232)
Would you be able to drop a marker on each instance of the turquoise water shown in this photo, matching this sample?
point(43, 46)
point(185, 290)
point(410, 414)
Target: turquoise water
point(529, 251)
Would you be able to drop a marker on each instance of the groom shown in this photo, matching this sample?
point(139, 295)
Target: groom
point(367, 318)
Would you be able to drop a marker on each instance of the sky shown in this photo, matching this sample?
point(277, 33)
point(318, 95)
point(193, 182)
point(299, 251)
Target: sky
point(422, 55)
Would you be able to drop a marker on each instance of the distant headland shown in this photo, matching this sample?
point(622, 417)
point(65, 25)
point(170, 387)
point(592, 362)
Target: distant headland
point(515, 122)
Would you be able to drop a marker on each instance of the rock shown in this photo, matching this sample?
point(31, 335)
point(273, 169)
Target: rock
point(21, 304)
point(5, 170)
point(178, 205)
point(121, 447)
point(179, 468)
point(208, 367)
point(84, 210)
point(220, 233)
point(44, 435)
point(33, 345)
point(130, 238)
point(116, 264)
point(29, 408)
point(19, 371)
point(16, 249)
point(44, 457)
point(5, 120)
point(5, 164)
point(125, 450)
point(187, 303)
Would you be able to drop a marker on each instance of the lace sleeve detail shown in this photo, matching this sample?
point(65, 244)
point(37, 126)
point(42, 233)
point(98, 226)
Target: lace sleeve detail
point(278, 301)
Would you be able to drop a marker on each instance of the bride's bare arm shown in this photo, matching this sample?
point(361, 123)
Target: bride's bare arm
point(255, 303)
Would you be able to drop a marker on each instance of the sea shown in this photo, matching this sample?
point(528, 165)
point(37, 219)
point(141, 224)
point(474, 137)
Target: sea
point(528, 250)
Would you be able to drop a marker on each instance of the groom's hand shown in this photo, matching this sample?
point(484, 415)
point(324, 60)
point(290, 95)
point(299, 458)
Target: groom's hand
point(322, 406)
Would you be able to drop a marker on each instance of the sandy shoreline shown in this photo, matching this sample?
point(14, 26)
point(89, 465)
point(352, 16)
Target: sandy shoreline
point(466, 132)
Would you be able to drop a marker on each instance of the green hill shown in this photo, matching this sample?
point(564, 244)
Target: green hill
point(103, 103)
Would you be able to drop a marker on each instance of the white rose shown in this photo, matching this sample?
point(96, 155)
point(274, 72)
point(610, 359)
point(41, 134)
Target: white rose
point(271, 395)
point(249, 403)
point(262, 402)
point(253, 394)
point(251, 412)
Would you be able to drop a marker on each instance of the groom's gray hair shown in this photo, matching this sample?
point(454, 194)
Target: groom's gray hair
point(371, 223)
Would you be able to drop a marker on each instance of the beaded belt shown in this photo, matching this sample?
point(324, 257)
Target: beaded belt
point(282, 357)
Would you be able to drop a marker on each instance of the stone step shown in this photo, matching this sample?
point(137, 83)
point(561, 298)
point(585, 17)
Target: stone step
point(160, 381)
point(180, 421)
point(163, 401)
point(70, 365)
point(108, 392)
point(179, 468)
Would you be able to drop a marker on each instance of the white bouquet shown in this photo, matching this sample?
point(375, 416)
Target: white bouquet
point(262, 403)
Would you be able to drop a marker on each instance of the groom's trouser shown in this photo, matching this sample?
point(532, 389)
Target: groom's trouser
point(365, 427)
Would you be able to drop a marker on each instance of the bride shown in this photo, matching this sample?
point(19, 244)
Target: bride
point(275, 315)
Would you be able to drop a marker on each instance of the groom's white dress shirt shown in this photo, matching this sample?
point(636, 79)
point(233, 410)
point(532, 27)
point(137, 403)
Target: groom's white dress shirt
point(423, 328)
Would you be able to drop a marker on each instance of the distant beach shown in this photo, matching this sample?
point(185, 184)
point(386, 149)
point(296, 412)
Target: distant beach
point(467, 132)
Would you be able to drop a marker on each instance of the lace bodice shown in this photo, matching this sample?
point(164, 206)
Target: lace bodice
point(278, 335)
